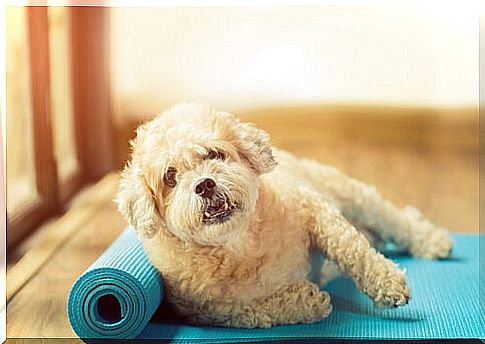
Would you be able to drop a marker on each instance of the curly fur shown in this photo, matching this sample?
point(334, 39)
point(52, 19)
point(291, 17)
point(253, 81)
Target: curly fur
point(252, 270)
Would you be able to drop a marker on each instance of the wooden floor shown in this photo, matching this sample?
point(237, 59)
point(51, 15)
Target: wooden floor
point(438, 175)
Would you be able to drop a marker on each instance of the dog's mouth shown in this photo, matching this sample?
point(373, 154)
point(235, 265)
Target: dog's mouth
point(217, 210)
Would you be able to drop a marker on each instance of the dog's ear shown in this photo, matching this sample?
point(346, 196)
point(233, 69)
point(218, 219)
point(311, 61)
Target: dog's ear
point(136, 201)
point(254, 146)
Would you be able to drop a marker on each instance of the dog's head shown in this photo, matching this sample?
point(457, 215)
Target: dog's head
point(194, 172)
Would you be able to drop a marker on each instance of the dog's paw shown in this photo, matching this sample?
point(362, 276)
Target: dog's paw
point(393, 290)
point(430, 241)
point(315, 304)
point(437, 244)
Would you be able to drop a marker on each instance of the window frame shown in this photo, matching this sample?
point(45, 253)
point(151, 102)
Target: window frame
point(92, 115)
point(23, 221)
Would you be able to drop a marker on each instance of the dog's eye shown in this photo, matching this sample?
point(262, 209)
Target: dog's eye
point(170, 177)
point(213, 154)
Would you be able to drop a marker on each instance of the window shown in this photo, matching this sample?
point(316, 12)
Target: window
point(20, 167)
point(61, 92)
point(55, 115)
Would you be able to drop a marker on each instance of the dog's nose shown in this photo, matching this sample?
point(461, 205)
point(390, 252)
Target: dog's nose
point(205, 187)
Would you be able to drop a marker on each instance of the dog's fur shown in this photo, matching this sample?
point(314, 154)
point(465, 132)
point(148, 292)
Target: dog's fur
point(250, 267)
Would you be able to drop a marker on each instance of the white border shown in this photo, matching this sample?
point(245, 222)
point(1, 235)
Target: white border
point(3, 202)
point(247, 3)
point(479, 5)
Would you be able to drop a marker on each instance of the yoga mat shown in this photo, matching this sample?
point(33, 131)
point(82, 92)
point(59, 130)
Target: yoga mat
point(118, 294)
point(445, 304)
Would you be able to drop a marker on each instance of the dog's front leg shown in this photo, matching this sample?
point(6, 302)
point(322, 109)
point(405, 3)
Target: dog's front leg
point(340, 241)
point(302, 302)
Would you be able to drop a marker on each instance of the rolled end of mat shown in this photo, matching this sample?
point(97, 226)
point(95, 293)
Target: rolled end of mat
point(117, 296)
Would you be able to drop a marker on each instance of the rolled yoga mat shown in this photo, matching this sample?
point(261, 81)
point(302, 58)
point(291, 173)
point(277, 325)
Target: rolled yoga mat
point(117, 295)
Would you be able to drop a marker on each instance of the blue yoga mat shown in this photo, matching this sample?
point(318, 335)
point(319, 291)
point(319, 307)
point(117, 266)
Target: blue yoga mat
point(445, 302)
point(118, 295)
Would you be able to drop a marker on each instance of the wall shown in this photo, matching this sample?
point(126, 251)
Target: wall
point(241, 58)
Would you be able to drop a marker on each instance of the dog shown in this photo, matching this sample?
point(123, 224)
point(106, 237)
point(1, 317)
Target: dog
point(229, 221)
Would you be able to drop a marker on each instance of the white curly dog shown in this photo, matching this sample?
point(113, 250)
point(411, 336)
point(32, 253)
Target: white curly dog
point(229, 222)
